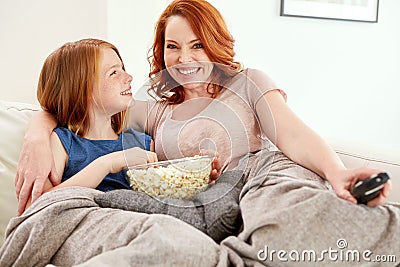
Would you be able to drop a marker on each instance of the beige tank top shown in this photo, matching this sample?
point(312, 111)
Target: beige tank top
point(227, 124)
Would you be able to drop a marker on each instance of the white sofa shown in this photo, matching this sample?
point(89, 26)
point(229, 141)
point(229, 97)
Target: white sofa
point(13, 121)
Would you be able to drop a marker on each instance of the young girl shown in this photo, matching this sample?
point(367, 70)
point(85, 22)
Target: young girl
point(84, 85)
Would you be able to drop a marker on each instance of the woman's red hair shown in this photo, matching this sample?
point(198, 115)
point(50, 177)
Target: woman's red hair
point(209, 26)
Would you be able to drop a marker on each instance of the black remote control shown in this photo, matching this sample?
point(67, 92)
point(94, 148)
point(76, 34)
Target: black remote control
point(369, 188)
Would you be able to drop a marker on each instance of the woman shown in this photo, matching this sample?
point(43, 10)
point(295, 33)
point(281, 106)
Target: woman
point(208, 100)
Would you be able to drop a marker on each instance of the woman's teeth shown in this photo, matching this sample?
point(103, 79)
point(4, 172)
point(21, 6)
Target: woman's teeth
point(188, 71)
point(126, 92)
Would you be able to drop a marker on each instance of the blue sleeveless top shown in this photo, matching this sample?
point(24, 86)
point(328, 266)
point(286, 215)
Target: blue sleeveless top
point(82, 151)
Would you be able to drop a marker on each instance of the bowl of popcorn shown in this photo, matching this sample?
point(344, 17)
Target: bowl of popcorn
point(179, 178)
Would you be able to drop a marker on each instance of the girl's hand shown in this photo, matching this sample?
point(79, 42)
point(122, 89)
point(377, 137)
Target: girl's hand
point(344, 180)
point(130, 157)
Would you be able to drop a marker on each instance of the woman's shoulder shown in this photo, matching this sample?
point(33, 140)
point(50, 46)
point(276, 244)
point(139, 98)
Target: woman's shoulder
point(253, 84)
point(257, 75)
point(251, 77)
point(260, 79)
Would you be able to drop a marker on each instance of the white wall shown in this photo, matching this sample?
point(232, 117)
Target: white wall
point(341, 77)
point(130, 27)
point(31, 30)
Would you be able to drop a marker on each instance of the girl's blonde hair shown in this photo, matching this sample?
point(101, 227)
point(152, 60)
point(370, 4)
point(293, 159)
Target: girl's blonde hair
point(66, 84)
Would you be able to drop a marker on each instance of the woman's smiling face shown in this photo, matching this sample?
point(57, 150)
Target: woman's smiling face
point(184, 55)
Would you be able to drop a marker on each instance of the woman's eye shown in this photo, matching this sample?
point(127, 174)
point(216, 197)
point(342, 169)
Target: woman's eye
point(113, 73)
point(171, 46)
point(198, 46)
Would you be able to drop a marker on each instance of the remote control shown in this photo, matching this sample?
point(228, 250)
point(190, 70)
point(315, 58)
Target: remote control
point(369, 188)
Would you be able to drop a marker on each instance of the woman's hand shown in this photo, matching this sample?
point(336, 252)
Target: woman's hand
point(215, 169)
point(215, 163)
point(343, 180)
point(35, 165)
point(36, 162)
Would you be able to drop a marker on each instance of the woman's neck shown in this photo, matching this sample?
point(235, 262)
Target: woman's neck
point(198, 91)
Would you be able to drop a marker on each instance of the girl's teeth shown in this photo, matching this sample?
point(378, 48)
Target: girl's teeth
point(127, 92)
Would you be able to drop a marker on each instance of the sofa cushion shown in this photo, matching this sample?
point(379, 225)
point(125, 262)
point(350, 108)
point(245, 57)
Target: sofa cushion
point(13, 121)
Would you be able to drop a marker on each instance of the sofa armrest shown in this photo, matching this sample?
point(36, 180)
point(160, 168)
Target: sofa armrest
point(356, 154)
point(13, 121)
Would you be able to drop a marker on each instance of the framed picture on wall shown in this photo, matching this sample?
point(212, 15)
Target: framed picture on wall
point(353, 10)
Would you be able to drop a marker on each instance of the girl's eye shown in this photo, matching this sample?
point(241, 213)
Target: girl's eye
point(171, 46)
point(113, 73)
point(198, 46)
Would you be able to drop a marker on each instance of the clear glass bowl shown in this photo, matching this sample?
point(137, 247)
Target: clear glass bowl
point(179, 178)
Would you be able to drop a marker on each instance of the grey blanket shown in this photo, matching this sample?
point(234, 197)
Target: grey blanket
point(65, 227)
point(285, 208)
